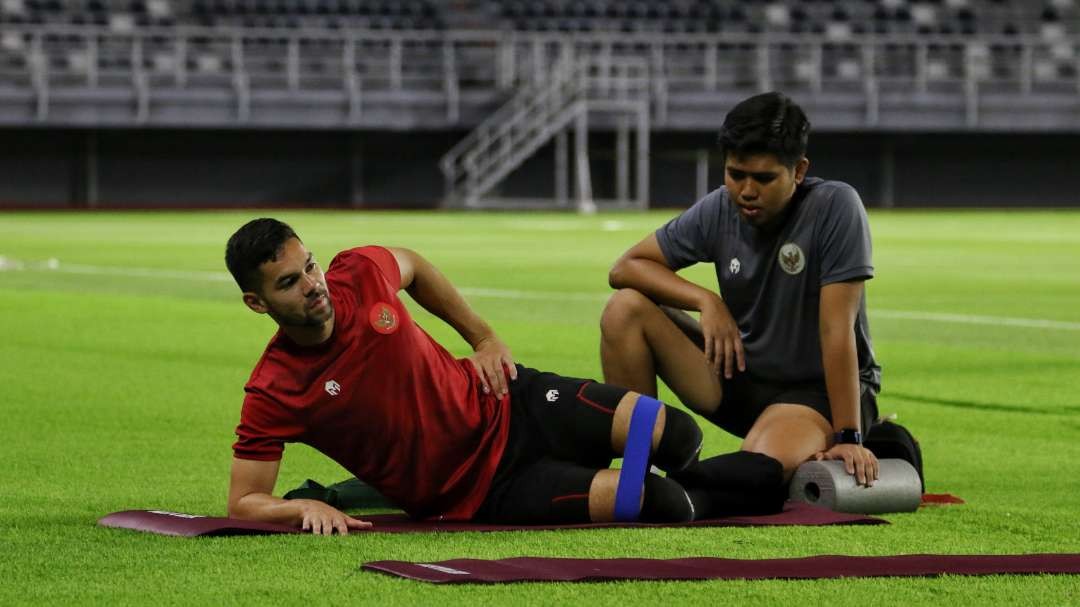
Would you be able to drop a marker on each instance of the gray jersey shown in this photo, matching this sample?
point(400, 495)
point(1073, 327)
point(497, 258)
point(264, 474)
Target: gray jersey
point(771, 281)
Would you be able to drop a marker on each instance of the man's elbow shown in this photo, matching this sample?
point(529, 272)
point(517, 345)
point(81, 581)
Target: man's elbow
point(234, 510)
point(242, 508)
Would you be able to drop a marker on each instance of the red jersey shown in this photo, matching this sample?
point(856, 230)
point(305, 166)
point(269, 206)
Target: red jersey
point(380, 397)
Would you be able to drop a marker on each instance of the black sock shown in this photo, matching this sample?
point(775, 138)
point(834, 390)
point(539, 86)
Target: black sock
point(680, 443)
point(665, 502)
point(735, 483)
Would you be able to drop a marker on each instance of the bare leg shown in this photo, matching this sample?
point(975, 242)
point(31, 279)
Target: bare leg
point(791, 434)
point(602, 496)
point(639, 341)
point(620, 424)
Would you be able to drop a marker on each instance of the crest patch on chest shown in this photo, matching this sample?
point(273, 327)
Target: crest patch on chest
point(383, 318)
point(792, 259)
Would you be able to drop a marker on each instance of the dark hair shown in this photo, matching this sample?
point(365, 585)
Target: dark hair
point(255, 243)
point(770, 123)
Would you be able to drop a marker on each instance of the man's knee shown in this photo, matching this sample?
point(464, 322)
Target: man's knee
point(659, 500)
point(789, 433)
point(623, 310)
point(680, 443)
point(673, 439)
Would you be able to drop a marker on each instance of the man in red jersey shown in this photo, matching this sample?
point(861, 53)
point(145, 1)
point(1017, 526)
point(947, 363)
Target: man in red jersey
point(350, 374)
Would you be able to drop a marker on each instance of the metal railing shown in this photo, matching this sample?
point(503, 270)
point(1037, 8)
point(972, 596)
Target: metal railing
point(247, 68)
point(536, 114)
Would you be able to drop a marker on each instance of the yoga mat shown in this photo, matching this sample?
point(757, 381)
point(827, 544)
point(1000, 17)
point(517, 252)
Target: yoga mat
point(530, 569)
point(794, 513)
point(188, 525)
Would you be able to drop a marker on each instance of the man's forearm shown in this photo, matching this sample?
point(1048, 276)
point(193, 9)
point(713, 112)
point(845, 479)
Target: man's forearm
point(436, 294)
point(268, 509)
point(660, 284)
point(842, 379)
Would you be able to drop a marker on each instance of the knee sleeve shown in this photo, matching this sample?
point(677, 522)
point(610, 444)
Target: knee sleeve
point(681, 442)
point(735, 483)
point(665, 501)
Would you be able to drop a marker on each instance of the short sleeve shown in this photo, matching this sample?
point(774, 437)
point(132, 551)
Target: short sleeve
point(351, 262)
point(263, 430)
point(692, 236)
point(844, 234)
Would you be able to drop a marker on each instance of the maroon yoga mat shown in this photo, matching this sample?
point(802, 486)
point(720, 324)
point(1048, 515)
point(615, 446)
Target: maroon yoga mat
point(189, 525)
point(530, 569)
point(795, 513)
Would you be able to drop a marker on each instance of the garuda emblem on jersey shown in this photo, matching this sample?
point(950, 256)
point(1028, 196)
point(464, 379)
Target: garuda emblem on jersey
point(383, 318)
point(792, 259)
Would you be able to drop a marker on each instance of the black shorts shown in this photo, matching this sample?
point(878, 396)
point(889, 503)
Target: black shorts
point(745, 398)
point(560, 436)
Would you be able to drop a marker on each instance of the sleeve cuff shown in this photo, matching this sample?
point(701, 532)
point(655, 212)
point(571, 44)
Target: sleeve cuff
point(862, 272)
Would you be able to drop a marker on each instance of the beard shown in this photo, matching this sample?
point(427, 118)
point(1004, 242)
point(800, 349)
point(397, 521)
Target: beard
point(306, 317)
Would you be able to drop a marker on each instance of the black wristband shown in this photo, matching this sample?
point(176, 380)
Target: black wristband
point(848, 436)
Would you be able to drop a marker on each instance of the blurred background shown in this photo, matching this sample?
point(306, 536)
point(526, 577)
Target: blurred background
point(525, 103)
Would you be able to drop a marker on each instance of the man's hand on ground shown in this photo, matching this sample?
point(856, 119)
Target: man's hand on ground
point(324, 519)
point(858, 461)
point(493, 362)
point(723, 344)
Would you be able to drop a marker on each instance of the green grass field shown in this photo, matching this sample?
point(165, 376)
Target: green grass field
point(123, 364)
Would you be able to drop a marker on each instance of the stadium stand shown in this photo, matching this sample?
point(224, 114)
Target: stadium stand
point(867, 65)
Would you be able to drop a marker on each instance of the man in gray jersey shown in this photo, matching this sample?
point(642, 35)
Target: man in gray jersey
point(782, 355)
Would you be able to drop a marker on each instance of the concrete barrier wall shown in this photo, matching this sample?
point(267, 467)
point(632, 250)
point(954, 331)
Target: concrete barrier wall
point(58, 168)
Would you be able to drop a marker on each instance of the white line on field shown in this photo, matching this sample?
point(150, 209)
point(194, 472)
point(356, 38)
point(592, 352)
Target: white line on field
point(974, 319)
point(53, 265)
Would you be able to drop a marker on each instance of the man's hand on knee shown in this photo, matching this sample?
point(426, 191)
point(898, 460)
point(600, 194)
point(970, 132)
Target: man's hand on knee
point(723, 342)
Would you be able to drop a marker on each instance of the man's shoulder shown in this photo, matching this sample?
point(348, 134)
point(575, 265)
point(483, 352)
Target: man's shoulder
point(364, 261)
point(354, 258)
point(827, 188)
point(832, 196)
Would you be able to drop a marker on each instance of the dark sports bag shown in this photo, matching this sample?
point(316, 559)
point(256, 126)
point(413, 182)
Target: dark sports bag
point(347, 495)
point(889, 440)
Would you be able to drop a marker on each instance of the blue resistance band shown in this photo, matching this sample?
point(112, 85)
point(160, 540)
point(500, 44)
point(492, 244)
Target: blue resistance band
point(636, 459)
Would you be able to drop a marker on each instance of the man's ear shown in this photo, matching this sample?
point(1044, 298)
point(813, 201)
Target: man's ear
point(256, 303)
point(800, 169)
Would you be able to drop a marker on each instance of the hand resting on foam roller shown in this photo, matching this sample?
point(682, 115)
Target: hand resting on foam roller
point(827, 484)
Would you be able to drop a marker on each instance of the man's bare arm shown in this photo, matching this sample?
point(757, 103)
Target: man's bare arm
point(429, 288)
point(250, 486)
point(839, 305)
point(644, 268)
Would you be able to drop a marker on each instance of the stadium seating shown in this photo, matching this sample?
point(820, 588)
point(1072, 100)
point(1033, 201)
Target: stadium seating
point(446, 46)
point(835, 18)
point(1049, 18)
point(124, 16)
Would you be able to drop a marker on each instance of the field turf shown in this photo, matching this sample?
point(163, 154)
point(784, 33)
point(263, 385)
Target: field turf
point(125, 347)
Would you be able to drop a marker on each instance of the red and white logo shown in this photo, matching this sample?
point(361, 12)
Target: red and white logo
point(332, 388)
point(383, 318)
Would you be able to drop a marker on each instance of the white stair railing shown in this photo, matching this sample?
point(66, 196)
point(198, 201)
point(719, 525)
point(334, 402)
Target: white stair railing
point(538, 112)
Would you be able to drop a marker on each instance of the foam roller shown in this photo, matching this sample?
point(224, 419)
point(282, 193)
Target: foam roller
point(827, 484)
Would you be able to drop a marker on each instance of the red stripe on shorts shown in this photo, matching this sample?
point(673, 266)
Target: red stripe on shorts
point(593, 404)
point(571, 496)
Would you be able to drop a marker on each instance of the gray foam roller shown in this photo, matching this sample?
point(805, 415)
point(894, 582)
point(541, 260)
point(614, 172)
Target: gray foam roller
point(827, 484)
